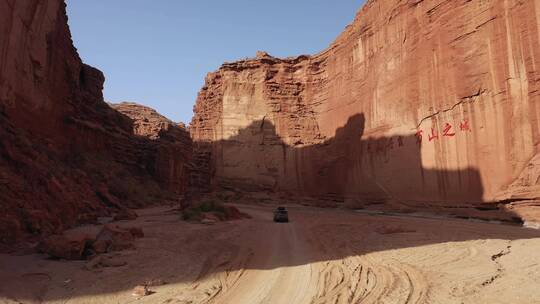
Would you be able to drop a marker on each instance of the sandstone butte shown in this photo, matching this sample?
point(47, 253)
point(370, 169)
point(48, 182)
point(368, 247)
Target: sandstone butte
point(417, 105)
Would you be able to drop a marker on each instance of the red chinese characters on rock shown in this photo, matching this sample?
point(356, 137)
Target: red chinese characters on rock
point(434, 135)
point(448, 131)
point(464, 126)
point(384, 145)
point(419, 136)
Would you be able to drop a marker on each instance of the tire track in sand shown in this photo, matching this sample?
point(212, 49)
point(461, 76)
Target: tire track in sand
point(282, 268)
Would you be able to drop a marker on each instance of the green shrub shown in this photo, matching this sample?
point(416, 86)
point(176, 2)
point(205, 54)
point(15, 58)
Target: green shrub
point(191, 214)
point(209, 206)
point(195, 212)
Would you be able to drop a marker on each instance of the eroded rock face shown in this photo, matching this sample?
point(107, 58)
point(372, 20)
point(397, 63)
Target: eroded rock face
point(149, 123)
point(66, 157)
point(170, 146)
point(422, 103)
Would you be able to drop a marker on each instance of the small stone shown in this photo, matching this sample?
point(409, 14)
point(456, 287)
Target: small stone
point(101, 246)
point(93, 263)
point(104, 261)
point(155, 282)
point(140, 291)
point(125, 215)
point(137, 232)
point(208, 221)
point(210, 216)
point(113, 262)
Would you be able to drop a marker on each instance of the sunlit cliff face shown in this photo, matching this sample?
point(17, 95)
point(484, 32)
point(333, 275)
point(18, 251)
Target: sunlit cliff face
point(450, 100)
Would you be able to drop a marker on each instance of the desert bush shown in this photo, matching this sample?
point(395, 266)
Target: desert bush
point(195, 212)
point(134, 192)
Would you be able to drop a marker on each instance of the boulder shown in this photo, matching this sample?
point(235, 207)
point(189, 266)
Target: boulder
point(74, 247)
point(114, 238)
point(232, 213)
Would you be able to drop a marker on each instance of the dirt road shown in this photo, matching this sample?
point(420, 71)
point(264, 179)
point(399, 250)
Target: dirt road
point(322, 256)
point(289, 282)
point(289, 265)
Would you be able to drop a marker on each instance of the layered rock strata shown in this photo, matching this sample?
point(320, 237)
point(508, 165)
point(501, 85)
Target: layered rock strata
point(431, 104)
point(169, 148)
point(66, 157)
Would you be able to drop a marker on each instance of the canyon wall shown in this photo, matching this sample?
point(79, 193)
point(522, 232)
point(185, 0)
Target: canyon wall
point(425, 103)
point(170, 148)
point(67, 157)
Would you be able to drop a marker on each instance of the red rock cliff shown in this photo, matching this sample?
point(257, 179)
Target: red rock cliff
point(170, 144)
point(429, 103)
point(66, 157)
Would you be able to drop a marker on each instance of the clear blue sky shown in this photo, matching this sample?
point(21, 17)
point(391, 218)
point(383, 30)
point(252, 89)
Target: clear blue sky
point(157, 53)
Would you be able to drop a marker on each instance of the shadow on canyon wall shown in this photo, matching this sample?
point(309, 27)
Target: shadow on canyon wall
point(329, 169)
point(351, 167)
point(56, 180)
point(133, 170)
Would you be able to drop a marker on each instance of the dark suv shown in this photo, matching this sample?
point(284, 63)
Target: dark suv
point(281, 215)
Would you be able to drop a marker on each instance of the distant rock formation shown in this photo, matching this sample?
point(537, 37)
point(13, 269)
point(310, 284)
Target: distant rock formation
point(428, 104)
point(170, 146)
point(66, 157)
point(149, 123)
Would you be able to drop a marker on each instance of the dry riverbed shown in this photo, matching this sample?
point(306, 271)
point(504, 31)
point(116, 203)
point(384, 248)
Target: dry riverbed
point(321, 256)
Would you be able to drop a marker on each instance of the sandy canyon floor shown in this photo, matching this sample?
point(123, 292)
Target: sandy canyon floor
point(321, 256)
